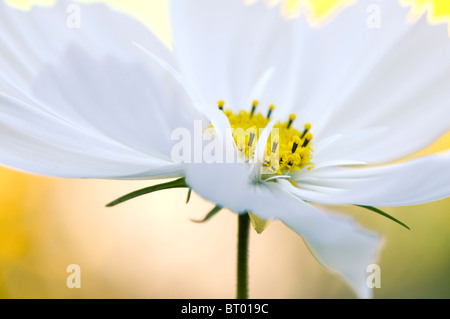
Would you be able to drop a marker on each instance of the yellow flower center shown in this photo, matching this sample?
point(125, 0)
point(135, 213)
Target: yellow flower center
point(287, 148)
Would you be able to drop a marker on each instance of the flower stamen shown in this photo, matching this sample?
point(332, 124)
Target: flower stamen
point(221, 105)
point(287, 149)
point(254, 105)
point(307, 128)
point(295, 143)
point(291, 120)
point(271, 108)
point(308, 139)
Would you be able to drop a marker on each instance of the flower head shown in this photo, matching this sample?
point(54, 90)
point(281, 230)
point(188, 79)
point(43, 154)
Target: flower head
point(310, 112)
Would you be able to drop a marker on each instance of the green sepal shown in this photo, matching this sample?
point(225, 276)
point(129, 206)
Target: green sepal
point(189, 195)
point(211, 214)
point(258, 224)
point(379, 211)
point(179, 183)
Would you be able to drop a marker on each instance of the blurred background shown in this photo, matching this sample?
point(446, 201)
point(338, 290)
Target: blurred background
point(149, 248)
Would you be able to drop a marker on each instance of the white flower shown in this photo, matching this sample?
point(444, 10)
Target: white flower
point(88, 102)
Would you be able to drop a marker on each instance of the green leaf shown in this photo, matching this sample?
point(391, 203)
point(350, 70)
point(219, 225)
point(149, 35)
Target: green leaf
point(214, 211)
point(179, 183)
point(379, 211)
point(189, 195)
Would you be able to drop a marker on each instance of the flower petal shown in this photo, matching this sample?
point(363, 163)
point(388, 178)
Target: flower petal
point(417, 181)
point(225, 47)
point(86, 89)
point(394, 77)
point(31, 39)
point(225, 184)
point(131, 103)
point(337, 243)
point(38, 142)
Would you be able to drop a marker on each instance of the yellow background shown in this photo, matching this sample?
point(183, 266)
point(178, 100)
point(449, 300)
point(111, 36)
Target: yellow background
point(148, 248)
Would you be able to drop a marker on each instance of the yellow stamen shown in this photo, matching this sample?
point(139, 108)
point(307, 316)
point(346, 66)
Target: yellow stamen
point(308, 138)
point(271, 108)
point(307, 128)
point(291, 120)
point(287, 149)
point(254, 105)
point(295, 143)
point(221, 104)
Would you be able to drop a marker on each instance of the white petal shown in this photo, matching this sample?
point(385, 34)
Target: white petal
point(31, 39)
point(353, 77)
point(414, 182)
point(325, 164)
point(337, 243)
point(129, 102)
point(34, 141)
point(355, 145)
point(368, 65)
point(40, 55)
point(91, 87)
point(224, 184)
point(224, 47)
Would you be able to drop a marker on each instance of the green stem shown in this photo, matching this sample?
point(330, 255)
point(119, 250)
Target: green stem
point(242, 256)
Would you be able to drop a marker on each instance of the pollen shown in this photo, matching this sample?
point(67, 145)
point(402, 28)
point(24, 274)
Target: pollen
point(287, 149)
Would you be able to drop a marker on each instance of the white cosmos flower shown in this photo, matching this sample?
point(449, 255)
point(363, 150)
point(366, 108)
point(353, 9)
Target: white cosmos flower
point(88, 102)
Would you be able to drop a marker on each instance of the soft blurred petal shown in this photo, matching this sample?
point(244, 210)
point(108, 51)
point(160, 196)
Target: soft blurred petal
point(208, 34)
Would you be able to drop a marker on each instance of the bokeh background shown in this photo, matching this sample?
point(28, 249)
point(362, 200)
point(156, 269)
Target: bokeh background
point(149, 248)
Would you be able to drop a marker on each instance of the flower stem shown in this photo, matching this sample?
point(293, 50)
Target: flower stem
point(242, 256)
